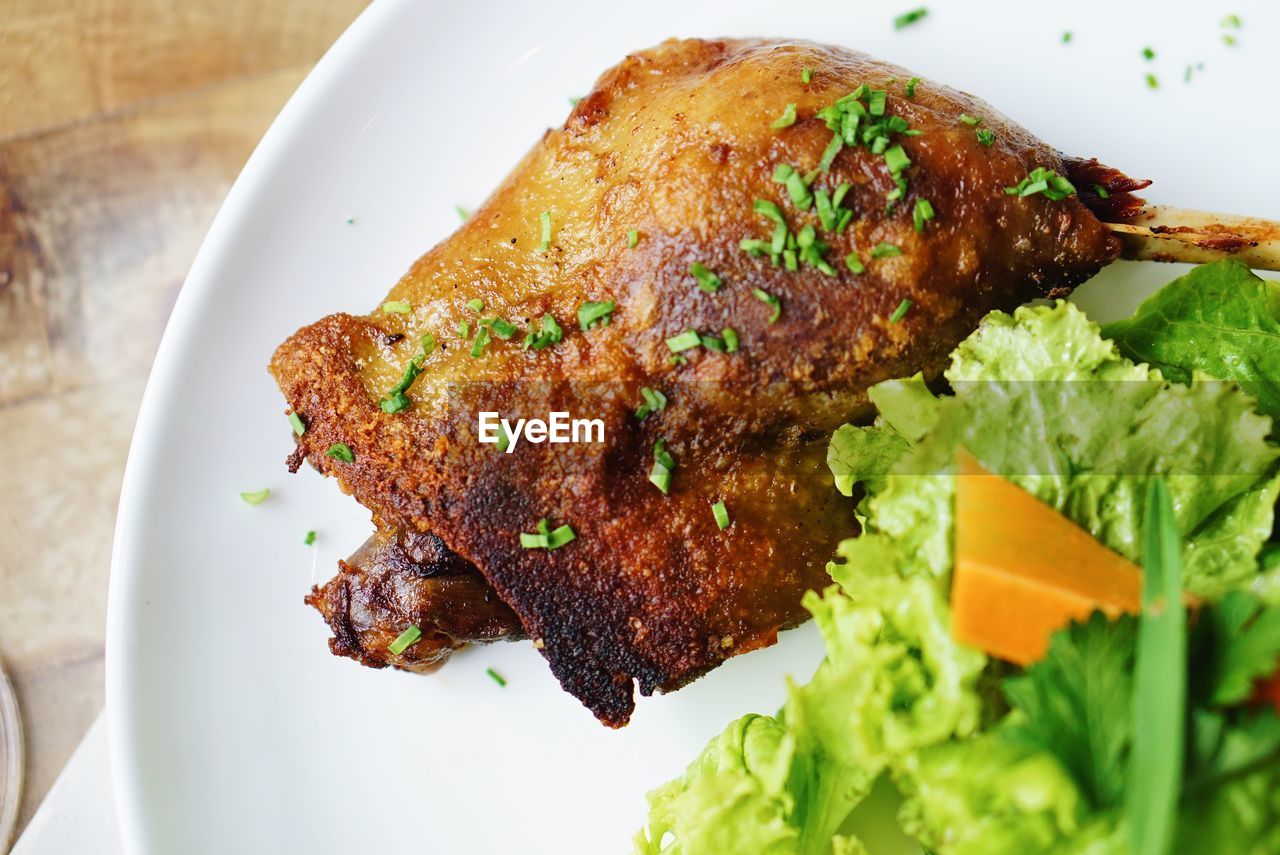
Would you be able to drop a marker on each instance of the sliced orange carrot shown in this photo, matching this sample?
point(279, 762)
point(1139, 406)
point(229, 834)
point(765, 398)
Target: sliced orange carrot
point(1023, 570)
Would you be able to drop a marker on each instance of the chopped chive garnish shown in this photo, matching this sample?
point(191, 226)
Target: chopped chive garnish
point(341, 451)
point(710, 342)
point(1148, 54)
point(463, 213)
point(397, 400)
point(480, 343)
point(1101, 192)
point(464, 329)
point(663, 464)
point(885, 250)
point(1153, 82)
point(503, 329)
point(985, 137)
point(826, 212)
point(754, 246)
point(660, 477)
point(1228, 40)
point(595, 314)
point(829, 153)
point(396, 307)
point(298, 427)
point(310, 538)
point(476, 305)
point(779, 241)
point(256, 497)
point(549, 333)
point(841, 192)
point(707, 280)
point(545, 242)
point(923, 213)
point(971, 121)
point(677, 359)
point(906, 19)
point(558, 537)
point(686, 340)
point(633, 239)
point(896, 159)
point(404, 640)
point(799, 191)
point(787, 119)
point(1066, 36)
point(806, 75)
point(546, 537)
point(769, 300)
point(730, 337)
point(721, 514)
point(1232, 21)
point(854, 263)
point(910, 90)
point(770, 210)
point(1046, 181)
point(654, 402)
point(496, 677)
point(900, 312)
point(663, 456)
point(876, 104)
point(782, 172)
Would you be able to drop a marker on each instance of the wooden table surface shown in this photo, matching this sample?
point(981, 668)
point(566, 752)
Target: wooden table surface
point(122, 125)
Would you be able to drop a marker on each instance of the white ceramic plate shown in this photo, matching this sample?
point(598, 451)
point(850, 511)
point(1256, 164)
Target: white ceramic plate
point(232, 728)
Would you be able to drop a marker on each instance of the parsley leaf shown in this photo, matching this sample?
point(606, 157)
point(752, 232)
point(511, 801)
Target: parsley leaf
point(1075, 704)
point(1246, 646)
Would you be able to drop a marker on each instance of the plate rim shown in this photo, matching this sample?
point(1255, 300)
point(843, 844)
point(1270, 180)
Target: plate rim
point(199, 286)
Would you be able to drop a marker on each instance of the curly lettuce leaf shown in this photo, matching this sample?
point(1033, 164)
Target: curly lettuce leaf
point(989, 795)
point(892, 682)
point(896, 693)
point(906, 406)
point(907, 411)
point(1219, 319)
point(1030, 406)
point(733, 798)
point(863, 455)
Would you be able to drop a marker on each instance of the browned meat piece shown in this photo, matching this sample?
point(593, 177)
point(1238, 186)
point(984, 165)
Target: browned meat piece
point(398, 580)
point(676, 144)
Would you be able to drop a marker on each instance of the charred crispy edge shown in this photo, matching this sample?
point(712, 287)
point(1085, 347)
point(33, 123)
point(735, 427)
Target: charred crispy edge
point(1120, 205)
point(333, 601)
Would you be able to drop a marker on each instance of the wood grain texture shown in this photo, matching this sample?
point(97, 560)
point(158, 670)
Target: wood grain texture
point(122, 125)
point(67, 60)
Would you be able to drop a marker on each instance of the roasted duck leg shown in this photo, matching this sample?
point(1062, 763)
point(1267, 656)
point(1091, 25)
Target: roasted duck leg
point(755, 266)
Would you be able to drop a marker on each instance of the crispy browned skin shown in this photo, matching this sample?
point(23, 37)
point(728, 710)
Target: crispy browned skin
point(400, 579)
point(675, 142)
